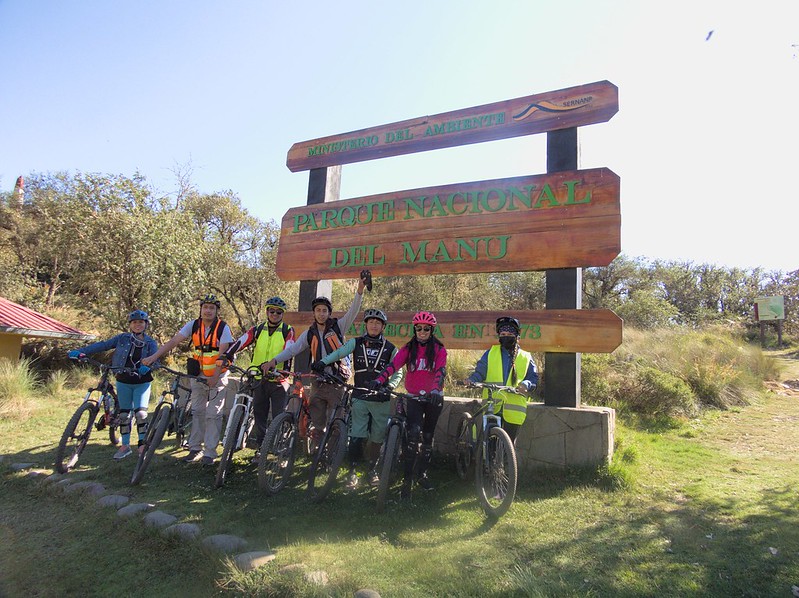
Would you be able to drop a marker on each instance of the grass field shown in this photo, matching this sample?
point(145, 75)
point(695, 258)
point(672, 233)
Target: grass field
point(707, 508)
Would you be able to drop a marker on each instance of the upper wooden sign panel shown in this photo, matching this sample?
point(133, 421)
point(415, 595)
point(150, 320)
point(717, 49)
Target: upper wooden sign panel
point(562, 109)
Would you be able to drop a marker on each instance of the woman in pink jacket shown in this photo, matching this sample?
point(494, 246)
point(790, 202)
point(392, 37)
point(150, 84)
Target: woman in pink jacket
point(425, 361)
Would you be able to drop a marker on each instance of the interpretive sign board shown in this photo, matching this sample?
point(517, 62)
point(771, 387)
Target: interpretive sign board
point(561, 220)
point(769, 308)
point(562, 109)
point(551, 330)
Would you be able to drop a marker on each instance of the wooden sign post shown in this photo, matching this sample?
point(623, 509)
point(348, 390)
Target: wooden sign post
point(559, 222)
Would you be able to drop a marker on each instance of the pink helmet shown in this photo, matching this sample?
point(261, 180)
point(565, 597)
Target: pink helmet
point(424, 317)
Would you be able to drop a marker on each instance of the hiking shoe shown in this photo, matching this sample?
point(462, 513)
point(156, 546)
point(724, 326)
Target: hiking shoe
point(374, 479)
point(207, 461)
point(192, 457)
point(352, 481)
point(424, 483)
point(124, 451)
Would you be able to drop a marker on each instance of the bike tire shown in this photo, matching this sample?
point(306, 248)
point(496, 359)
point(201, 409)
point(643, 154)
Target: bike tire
point(113, 422)
point(388, 467)
point(75, 437)
point(463, 447)
point(278, 452)
point(495, 477)
point(327, 462)
point(183, 421)
point(155, 434)
point(229, 446)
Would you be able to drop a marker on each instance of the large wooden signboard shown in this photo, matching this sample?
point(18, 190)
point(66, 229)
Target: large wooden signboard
point(560, 220)
point(552, 330)
point(562, 109)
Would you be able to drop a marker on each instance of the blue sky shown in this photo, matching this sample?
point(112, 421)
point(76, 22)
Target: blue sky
point(705, 141)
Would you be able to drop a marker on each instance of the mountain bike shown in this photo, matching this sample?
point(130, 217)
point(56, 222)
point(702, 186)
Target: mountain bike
point(166, 415)
point(389, 464)
point(485, 450)
point(85, 419)
point(286, 433)
point(240, 421)
point(333, 445)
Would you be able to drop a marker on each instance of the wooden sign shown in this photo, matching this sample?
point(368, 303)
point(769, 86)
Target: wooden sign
point(550, 111)
point(551, 330)
point(561, 220)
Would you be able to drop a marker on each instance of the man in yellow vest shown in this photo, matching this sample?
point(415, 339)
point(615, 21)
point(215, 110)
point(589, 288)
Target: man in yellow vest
point(210, 337)
point(270, 338)
point(508, 365)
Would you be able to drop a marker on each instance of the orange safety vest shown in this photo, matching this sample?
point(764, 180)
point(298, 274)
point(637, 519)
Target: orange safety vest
point(205, 345)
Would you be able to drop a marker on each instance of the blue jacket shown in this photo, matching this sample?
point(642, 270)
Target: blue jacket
point(121, 343)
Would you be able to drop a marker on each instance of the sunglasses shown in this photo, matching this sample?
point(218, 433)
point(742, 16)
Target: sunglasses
point(274, 312)
point(422, 328)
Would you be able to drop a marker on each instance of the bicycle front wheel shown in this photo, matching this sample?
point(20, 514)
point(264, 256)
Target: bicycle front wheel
point(463, 447)
point(182, 423)
point(327, 461)
point(113, 421)
point(278, 451)
point(75, 437)
point(229, 447)
point(388, 465)
point(155, 434)
point(496, 473)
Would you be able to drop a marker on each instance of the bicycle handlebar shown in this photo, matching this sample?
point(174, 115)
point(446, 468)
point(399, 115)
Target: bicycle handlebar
point(104, 367)
point(177, 373)
point(496, 387)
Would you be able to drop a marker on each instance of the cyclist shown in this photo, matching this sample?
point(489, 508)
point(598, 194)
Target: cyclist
point(425, 359)
point(325, 335)
point(371, 354)
point(133, 390)
point(210, 336)
point(270, 338)
point(508, 364)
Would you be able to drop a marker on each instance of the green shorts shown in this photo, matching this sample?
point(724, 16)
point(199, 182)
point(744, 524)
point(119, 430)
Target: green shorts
point(359, 419)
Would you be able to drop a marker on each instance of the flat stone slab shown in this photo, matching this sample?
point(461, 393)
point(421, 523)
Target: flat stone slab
point(159, 519)
point(366, 593)
point(66, 482)
point(21, 466)
point(318, 577)
point(36, 473)
point(134, 509)
point(54, 477)
point(93, 488)
point(115, 501)
point(227, 543)
point(247, 561)
point(187, 531)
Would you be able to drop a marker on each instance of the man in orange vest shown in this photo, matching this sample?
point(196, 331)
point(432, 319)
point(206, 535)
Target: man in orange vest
point(210, 336)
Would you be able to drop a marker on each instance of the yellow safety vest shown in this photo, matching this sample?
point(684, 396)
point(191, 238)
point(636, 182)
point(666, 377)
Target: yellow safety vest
point(268, 345)
point(514, 407)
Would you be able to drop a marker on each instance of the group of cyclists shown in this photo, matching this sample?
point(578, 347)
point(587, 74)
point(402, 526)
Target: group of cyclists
point(375, 362)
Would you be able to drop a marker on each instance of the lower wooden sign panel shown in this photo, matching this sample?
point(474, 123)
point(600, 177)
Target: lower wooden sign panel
point(550, 330)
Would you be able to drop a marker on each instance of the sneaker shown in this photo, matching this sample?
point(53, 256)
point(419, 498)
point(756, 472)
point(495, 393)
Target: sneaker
point(374, 479)
point(352, 481)
point(424, 483)
point(207, 461)
point(192, 457)
point(124, 451)
point(405, 492)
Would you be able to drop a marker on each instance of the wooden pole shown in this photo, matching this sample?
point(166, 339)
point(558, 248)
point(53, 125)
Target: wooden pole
point(563, 289)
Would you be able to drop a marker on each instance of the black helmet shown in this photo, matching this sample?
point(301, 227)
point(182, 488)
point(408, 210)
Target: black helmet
point(507, 321)
point(322, 301)
point(276, 302)
point(138, 315)
point(210, 299)
point(376, 314)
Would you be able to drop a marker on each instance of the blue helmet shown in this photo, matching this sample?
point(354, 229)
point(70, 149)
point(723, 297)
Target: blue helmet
point(276, 302)
point(138, 315)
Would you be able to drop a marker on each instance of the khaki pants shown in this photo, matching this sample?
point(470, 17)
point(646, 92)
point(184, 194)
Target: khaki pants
point(206, 407)
point(323, 400)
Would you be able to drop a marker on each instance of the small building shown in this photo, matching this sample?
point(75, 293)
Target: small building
point(18, 322)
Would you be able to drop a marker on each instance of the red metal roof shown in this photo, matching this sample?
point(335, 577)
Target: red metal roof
point(17, 319)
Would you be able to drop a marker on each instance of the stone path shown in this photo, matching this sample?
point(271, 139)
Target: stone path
point(168, 524)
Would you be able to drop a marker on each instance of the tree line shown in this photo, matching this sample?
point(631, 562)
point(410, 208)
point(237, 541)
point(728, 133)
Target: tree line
point(107, 244)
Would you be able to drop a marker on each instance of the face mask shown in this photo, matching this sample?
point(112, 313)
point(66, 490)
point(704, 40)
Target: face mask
point(507, 342)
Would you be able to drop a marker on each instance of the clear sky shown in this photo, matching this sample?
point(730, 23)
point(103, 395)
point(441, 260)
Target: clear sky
point(705, 141)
